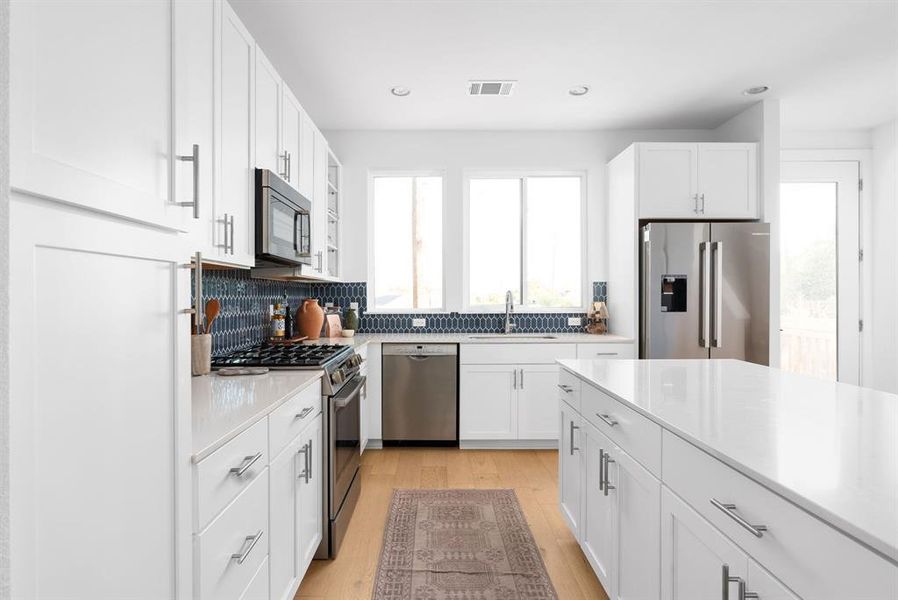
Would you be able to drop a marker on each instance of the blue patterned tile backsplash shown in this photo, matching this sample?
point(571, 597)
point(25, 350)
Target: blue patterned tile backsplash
point(245, 301)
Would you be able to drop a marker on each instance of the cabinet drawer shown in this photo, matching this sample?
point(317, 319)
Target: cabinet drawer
point(288, 420)
point(516, 353)
point(569, 388)
point(258, 587)
point(606, 351)
point(809, 556)
point(635, 434)
point(218, 477)
point(240, 533)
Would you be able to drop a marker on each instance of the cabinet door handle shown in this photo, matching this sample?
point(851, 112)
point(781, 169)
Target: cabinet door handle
point(232, 235)
point(703, 203)
point(695, 206)
point(309, 468)
point(304, 412)
point(248, 461)
point(565, 388)
point(305, 460)
point(194, 158)
point(514, 383)
point(573, 427)
point(730, 511)
point(289, 165)
point(726, 580)
point(522, 379)
point(608, 486)
point(608, 419)
point(601, 469)
point(253, 540)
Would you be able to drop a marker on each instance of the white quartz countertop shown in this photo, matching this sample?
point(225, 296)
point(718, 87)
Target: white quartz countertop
point(224, 407)
point(831, 448)
point(494, 338)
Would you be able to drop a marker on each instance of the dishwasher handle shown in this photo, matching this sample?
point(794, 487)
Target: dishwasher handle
point(418, 357)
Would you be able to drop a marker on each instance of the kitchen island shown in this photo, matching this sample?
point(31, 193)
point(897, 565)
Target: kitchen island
point(784, 485)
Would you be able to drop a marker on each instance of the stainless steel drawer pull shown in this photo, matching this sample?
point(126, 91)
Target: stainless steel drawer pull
point(608, 460)
point(565, 388)
point(573, 447)
point(601, 469)
point(730, 511)
point(195, 159)
point(304, 412)
point(726, 580)
point(606, 353)
point(304, 475)
point(248, 461)
point(309, 455)
point(253, 540)
point(607, 419)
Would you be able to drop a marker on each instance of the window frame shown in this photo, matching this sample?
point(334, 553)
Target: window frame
point(372, 175)
point(522, 175)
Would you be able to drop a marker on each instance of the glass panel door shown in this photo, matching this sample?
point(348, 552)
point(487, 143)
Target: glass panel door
point(819, 270)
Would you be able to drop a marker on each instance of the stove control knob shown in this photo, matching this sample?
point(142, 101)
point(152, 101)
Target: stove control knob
point(337, 377)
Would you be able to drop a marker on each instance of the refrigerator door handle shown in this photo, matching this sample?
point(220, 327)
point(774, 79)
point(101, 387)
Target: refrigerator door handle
point(717, 329)
point(704, 333)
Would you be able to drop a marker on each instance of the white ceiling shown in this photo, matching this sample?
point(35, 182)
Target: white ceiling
point(662, 64)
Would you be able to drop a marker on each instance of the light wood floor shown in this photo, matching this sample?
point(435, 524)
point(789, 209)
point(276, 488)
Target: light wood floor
point(533, 474)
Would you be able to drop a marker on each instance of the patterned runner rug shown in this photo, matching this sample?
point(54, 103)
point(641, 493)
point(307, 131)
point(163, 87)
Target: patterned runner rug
point(459, 545)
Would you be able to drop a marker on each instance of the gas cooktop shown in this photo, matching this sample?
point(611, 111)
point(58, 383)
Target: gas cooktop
point(284, 356)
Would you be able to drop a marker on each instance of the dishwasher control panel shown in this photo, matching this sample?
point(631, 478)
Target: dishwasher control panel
point(420, 349)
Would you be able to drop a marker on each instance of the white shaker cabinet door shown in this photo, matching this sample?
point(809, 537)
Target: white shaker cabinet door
point(570, 469)
point(667, 181)
point(599, 508)
point(194, 102)
point(694, 555)
point(488, 402)
point(637, 530)
point(282, 519)
point(728, 181)
point(306, 158)
point(100, 450)
point(537, 402)
point(268, 116)
point(235, 217)
point(310, 475)
point(319, 205)
point(290, 135)
point(91, 106)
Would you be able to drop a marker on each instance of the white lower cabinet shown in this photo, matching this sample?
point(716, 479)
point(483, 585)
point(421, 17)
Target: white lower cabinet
point(569, 468)
point(309, 509)
point(619, 529)
point(258, 588)
point(537, 402)
point(487, 402)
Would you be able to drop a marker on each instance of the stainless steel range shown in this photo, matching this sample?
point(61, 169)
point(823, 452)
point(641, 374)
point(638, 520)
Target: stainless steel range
point(341, 386)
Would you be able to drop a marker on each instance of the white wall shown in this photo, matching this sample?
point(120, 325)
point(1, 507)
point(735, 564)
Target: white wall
point(883, 324)
point(4, 299)
point(761, 123)
point(455, 151)
point(848, 139)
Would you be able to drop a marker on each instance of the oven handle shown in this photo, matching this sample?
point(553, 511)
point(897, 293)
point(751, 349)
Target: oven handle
point(344, 398)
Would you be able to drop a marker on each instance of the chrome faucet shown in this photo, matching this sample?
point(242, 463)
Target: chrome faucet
point(509, 308)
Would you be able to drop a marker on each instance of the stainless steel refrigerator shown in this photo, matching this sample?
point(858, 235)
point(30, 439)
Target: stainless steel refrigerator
point(705, 291)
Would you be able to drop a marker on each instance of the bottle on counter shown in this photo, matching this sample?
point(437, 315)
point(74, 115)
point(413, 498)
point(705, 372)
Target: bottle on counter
point(288, 318)
point(277, 323)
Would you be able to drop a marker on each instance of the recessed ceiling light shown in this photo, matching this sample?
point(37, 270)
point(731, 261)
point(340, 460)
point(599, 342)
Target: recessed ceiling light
point(400, 91)
point(579, 90)
point(754, 91)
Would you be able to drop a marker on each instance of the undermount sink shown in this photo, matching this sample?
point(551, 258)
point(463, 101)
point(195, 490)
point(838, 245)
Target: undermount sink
point(508, 336)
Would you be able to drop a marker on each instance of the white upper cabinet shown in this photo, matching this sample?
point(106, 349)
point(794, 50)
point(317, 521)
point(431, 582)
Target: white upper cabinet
point(306, 159)
point(290, 136)
point(319, 204)
point(268, 116)
point(91, 107)
point(697, 181)
point(728, 176)
point(668, 180)
point(194, 104)
point(234, 208)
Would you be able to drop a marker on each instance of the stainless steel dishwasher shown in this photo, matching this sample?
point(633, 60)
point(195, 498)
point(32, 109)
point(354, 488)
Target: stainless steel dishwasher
point(420, 394)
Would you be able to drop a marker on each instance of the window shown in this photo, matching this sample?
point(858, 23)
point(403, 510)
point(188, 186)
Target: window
point(408, 243)
point(524, 235)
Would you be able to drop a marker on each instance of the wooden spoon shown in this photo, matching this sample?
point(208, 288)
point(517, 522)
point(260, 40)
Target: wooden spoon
point(213, 307)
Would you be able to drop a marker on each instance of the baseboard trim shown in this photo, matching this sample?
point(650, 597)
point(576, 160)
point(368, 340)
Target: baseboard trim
point(374, 445)
point(508, 444)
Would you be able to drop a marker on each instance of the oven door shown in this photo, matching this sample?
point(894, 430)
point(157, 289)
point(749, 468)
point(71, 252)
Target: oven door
point(344, 436)
point(289, 232)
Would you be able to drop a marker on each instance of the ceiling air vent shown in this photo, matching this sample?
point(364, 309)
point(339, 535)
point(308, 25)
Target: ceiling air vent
point(490, 88)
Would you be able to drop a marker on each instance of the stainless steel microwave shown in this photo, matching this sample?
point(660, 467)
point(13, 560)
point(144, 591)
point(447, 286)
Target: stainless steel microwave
point(283, 222)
